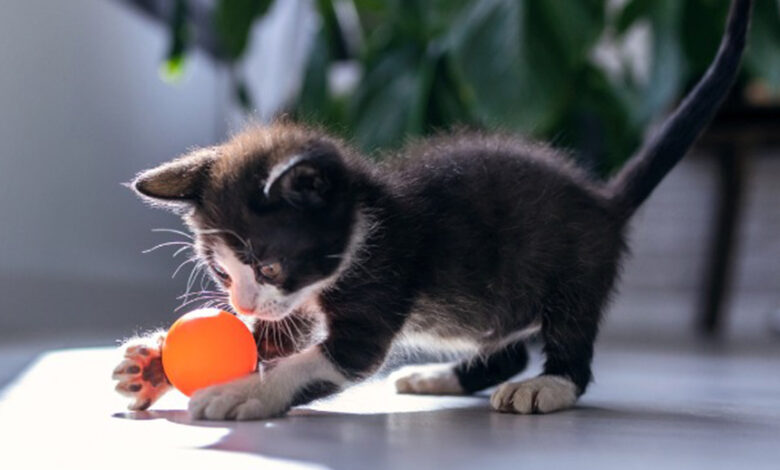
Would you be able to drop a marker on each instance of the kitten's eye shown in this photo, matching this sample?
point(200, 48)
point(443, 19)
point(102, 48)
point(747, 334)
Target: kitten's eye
point(220, 272)
point(271, 271)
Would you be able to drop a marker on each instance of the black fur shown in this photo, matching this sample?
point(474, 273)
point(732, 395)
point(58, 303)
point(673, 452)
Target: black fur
point(655, 159)
point(469, 237)
point(313, 391)
point(497, 367)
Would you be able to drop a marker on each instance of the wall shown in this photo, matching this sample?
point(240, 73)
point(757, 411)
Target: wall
point(81, 110)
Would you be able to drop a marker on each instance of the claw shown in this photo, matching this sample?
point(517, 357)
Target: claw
point(128, 388)
point(136, 350)
point(140, 404)
point(125, 368)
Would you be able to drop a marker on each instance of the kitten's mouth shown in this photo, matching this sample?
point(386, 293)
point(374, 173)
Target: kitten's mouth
point(267, 313)
point(270, 317)
point(276, 308)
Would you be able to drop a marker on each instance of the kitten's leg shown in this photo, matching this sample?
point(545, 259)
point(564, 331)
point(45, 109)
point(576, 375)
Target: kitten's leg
point(353, 351)
point(140, 373)
point(466, 377)
point(308, 374)
point(479, 374)
point(428, 379)
point(569, 338)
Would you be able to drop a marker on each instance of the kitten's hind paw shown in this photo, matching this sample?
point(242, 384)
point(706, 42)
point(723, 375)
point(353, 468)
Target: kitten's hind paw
point(140, 373)
point(543, 394)
point(433, 379)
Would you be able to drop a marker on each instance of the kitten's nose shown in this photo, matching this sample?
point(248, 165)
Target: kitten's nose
point(243, 297)
point(243, 306)
point(243, 310)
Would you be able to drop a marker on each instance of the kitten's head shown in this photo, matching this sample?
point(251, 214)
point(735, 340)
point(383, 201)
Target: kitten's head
point(272, 211)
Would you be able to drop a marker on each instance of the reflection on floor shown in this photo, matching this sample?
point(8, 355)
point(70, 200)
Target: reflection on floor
point(647, 409)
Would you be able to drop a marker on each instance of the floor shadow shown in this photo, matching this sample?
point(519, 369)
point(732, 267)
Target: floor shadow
point(13, 364)
point(458, 434)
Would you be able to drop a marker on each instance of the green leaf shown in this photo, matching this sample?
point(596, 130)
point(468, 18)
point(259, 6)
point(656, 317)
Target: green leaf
point(702, 25)
point(233, 20)
point(599, 123)
point(668, 67)
point(440, 102)
point(172, 69)
point(243, 96)
point(763, 55)
point(382, 110)
point(448, 104)
point(490, 55)
point(331, 30)
point(632, 11)
point(315, 103)
point(518, 60)
point(570, 28)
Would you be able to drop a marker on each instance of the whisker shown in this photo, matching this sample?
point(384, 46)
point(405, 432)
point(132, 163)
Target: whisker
point(288, 331)
point(277, 341)
point(196, 270)
point(229, 232)
point(262, 331)
point(192, 301)
point(248, 250)
point(193, 273)
point(194, 259)
point(177, 232)
point(282, 331)
point(205, 279)
point(162, 245)
point(181, 250)
point(281, 327)
point(214, 292)
point(298, 327)
point(268, 331)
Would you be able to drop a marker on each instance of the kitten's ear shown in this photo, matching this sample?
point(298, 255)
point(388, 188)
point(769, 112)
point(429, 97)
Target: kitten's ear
point(310, 180)
point(177, 182)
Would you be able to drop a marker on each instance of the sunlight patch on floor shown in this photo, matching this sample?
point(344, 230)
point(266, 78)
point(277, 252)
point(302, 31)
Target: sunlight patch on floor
point(54, 415)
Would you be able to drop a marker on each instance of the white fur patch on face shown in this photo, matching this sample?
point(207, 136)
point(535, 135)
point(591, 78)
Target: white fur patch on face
point(244, 288)
point(266, 301)
point(429, 379)
point(543, 394)
point(264, 395)
point(250, 297)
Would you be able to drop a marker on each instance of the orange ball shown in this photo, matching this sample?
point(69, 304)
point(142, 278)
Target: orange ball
point(207, 347)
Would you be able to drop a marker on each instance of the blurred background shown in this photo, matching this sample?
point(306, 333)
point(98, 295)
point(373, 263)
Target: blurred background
point(93, 91)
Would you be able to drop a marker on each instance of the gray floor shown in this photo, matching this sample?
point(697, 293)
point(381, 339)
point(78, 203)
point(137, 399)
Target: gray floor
point(679, 407)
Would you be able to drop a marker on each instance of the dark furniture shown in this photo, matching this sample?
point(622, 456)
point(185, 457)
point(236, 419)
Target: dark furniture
point(735, 134)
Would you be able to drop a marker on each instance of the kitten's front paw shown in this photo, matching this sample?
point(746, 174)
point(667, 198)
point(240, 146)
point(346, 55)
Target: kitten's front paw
point(543, 394)
point(140, 373)
point(433, 379)
point(239, 400)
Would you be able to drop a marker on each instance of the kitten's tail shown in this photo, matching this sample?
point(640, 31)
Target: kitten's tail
point(637, 179)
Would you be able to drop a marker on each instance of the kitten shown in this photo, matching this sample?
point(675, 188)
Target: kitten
point(471, 239)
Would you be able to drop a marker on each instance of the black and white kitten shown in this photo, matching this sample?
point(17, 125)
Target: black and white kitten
point(473, 239)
